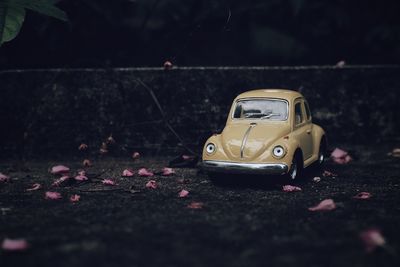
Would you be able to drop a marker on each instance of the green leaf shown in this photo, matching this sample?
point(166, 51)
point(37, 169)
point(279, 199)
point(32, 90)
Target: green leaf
point(45, 7)
point(11, 19)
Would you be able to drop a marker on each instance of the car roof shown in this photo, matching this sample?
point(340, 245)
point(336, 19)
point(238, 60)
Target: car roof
point(273, 93)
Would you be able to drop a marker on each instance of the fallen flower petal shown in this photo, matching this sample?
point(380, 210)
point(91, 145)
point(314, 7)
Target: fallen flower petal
point(195, 205)
point(395, 153)
point(110, 140)
point(86, 163)
point(82, 147)
point(145, 173)
point(328, 173)
point(135, 155)
point(14, 244)
point(108, 182)
point(168, 65)
point(167, 171)
point(324, 205)
point(60, 180)
point(363, 195)
point(128, 173)
point(183, 193)
point(151, 184)
point(59, 169)
point(317, 179)
point(340, 64)
point(81, 177)
point(290, 188)
point(4, 178)
point(340, 156)
point(372, 238)
point(34, 187)
point(52, 195)
point(75, 198)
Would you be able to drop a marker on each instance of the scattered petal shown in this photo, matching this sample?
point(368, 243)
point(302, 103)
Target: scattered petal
point(4, 178)
point(110, 140)
point(75, 198)
point(34, 187)
point(372, 238)
point(82, 147)
point(128, 173)
point(395, 153)
point(183, 193)
point(135, 155)
point(340, 64)
point(151, 184)
point(144, 172)
point(86, 163)
point(317, 179)
point(168, 65)
point(290, 188)
point(14, 244)
point(324, 205)
point(60, 180)
point(81, 177)
point(59, 169)
point(108, 182)
point(328, 173)
point(195, 205)
point(363, 195)
point(167, 171)
point(52, 195)
point(340, 156)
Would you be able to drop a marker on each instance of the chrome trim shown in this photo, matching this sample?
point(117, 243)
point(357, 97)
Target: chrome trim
point(246, 135)
point(248, 168)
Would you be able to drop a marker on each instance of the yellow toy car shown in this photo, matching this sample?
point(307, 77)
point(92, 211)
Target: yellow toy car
point(268, 131)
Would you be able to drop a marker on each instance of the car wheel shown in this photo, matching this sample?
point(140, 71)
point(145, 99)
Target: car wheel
point(295, 168)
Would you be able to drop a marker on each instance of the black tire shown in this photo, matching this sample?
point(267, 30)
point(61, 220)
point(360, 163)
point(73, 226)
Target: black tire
point(296, 168)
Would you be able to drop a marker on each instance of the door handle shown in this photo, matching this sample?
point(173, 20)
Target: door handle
point(308, 131)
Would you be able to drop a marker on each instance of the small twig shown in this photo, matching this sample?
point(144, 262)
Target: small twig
point(153, 96)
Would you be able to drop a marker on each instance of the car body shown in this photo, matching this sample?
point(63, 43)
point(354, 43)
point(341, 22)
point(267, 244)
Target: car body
point(268, 131)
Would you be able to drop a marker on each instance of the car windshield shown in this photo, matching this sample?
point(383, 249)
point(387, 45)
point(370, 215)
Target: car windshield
point(263, 109)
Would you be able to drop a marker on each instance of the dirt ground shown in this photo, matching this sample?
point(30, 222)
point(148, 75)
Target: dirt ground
point(245, 222)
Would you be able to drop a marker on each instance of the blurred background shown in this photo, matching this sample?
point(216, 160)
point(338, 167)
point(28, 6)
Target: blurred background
point(121, 33)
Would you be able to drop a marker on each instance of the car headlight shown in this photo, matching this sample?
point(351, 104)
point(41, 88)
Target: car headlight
point(279, 151)
point(210, 148)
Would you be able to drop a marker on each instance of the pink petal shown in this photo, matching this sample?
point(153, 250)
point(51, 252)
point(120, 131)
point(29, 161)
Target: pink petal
point(127, 173)
point(183, 193)
point(135, 155)
point(324, 205)
point(81, 177)
point(110, 140)
point(167, 171)
point(52, 195)
point(82, 146)
point(340, 156)
point(4, 178)
point(317, 179)
point(363, 195)
point(372, 238)
point(144, 172)
point(59, 169)
point(86, 163)
point(340, 64)
point(75, 198)
point(195, 205)
point(290, 188)
point(168, 65)
point(328, 173)
point(151, 184)
point(34, 187)
point(14, 244)
point(108, 182)
point(60, 180)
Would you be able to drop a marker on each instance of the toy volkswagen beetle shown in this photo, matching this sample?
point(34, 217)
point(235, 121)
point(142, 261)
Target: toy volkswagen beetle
point(267, 132)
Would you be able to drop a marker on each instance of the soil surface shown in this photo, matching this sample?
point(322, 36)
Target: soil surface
point(246, 221)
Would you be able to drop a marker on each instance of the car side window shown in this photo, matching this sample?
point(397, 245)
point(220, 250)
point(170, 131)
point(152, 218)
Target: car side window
point(298, 115)
point(308, 113)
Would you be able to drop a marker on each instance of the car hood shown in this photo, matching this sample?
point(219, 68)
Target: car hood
point(260, 136)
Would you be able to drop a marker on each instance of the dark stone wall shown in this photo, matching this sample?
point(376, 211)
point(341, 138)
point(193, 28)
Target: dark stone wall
point(49, 112)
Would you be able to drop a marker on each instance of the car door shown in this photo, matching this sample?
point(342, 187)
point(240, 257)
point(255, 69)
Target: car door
point(302, 128)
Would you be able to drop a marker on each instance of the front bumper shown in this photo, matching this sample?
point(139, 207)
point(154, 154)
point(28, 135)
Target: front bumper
point(244, 168)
